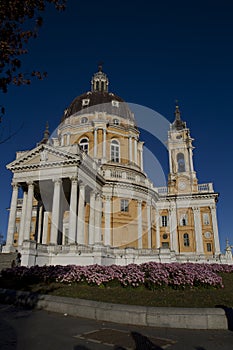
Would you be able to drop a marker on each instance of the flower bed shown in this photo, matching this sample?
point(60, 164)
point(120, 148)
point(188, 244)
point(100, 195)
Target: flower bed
point(152, 275)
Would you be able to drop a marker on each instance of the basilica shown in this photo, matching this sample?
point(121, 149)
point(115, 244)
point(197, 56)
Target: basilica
point(82, 196)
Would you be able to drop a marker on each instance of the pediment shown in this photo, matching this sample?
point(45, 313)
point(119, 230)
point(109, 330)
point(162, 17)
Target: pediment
point(43, 155)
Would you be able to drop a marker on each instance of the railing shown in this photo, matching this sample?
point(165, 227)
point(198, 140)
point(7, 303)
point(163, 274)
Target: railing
point(205, 187)
point(127, 176)
point(162, 191)
point(202, 188)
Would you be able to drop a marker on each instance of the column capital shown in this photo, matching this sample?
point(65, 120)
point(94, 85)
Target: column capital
point(73, 178)
point(57, 181)
point(98, 196)
point(30, 183)
point(196, 209)
point(81, 185)
point(212, 207)
point(15, 185)
point(172, 208)
point(139, 202)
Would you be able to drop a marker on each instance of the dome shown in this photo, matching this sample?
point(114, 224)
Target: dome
point(99, 100)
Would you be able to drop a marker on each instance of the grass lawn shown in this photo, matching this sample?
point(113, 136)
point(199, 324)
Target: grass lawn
point(195, 297)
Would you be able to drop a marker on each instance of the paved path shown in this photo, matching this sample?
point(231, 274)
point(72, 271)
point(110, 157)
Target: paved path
point(22, 329)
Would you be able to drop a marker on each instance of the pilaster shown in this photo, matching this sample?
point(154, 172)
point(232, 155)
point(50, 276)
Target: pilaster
point(215, 230)
point(198, 230)
point(91, 227)
point(139, 212)
point(107, 236)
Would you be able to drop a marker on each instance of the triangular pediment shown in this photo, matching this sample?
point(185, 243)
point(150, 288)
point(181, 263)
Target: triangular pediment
point(43, 155)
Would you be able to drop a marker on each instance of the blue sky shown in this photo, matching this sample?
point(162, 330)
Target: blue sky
point(154, 52)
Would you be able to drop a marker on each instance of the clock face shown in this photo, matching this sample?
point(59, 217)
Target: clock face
point(181, 185)
point(207, 234)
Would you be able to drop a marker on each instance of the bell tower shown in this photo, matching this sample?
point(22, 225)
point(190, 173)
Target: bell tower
point(182, 177)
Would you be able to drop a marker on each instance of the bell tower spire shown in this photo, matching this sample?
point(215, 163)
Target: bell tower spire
point(178, 124)
point(99, 81)
point(182, 177)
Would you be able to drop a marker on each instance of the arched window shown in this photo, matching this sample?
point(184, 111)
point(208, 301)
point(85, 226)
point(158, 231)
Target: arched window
point(84, 144)
point(184, 220)
point(181, 162)
point(186, 239)
point(116, 121)
point(115, 151)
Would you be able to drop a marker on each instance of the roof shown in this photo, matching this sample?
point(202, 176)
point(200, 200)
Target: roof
point(99, 101)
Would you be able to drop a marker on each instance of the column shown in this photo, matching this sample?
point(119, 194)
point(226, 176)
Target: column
point(107, 213)
point(73, 210)
point(55, 211)
point(98, 218)
point(91, 228)
point(215, 230)
point(198, 230)
point(130, 149)
point(81, 215)
point(173, 229)
point(45, 228)
point(139, 205)
point(157, 220)
point(28, 217)
point(135, 152)
point(95, 142)
point(68, 139)
point(170, 162)
point(39, 224)
point(191, 159)
point(12, 216)
point(22, 220)
point(141, 159)
point(148, 208)
point(104, 144)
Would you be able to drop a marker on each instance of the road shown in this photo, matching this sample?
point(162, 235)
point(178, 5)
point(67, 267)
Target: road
point(24, 329)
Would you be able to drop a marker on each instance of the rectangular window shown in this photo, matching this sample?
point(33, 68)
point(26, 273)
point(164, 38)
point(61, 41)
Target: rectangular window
point(164, 220)
point(206, 219)
point(209, 247)
point(165, 245)
point(124, 205)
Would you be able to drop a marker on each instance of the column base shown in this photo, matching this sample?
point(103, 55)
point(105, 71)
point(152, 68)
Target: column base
point(8, 249)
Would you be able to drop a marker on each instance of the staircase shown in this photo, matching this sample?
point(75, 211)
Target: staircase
point(6, 260)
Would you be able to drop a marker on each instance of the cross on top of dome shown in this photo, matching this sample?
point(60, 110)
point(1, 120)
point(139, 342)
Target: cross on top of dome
point(99, 81)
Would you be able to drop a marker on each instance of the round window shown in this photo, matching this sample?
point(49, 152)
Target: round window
point(165, 236)
point(84, 120)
